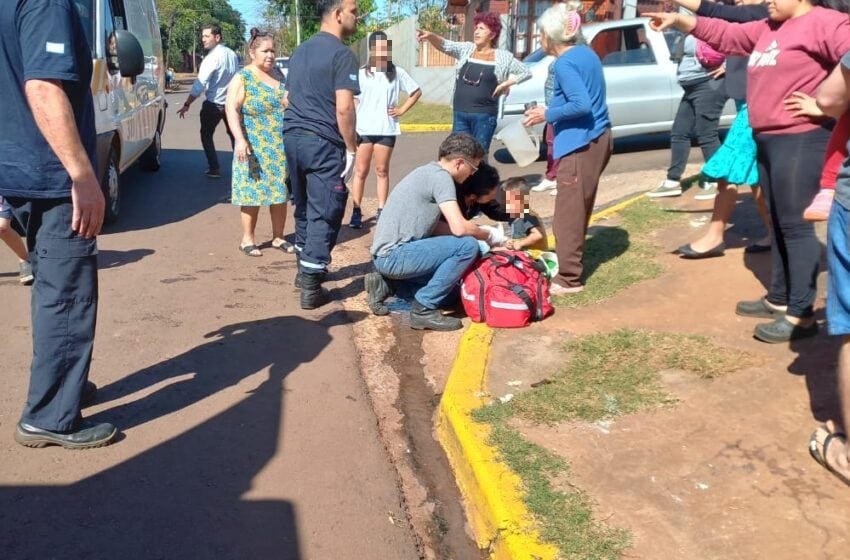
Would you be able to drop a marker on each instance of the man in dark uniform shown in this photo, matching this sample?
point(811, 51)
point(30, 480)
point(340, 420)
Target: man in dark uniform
point(321, 141)
point(47, 176)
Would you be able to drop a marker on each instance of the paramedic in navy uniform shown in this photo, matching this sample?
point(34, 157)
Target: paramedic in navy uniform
point(47, 176)
point(321, 141)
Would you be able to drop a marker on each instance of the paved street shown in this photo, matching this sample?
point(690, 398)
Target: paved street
point(247, 432)
point(246, 428)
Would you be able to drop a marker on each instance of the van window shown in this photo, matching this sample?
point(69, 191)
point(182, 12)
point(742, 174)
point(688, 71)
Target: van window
point(86, 10)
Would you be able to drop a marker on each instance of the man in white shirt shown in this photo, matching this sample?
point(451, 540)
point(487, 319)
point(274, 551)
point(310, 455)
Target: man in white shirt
point(217, 69)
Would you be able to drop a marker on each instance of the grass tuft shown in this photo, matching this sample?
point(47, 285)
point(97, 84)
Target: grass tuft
point(427, 113)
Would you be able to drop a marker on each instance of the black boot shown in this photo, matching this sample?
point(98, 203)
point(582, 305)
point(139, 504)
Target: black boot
point(312, 295)
point(377, 290)
point(423, 318)
point(298, 277)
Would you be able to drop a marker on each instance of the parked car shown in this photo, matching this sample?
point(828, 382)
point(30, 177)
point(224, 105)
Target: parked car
point(128, 86)
point(642, 92)
point(282, 62)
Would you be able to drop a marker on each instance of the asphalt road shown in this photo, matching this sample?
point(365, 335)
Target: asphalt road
point(246, 428)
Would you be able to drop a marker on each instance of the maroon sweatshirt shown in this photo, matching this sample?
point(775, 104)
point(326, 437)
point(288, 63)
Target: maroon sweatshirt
point(793, 55)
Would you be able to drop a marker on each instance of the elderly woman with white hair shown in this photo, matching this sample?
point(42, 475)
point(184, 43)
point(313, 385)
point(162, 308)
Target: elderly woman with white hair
point(583, 142)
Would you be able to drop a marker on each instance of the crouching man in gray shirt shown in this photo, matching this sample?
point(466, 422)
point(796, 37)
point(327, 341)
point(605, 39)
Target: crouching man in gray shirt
point(412, 246)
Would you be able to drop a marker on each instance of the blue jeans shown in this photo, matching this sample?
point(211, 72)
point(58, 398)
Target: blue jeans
point(480, 125)
point(838, 261)
point(434, 265)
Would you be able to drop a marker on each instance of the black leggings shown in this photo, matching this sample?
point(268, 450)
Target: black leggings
point(789, 173)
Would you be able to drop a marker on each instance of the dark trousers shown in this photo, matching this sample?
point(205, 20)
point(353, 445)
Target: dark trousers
point(64, 311)
point(315, 169)
point(211, 115)
point(551, 163)
point(699, 113)
point(789, 173)
point(578, 181)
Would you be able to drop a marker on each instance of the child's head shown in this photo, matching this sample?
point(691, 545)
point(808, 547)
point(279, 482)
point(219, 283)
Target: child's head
point(516, 189)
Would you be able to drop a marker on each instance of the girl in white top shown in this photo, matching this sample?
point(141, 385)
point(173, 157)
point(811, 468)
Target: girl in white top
point(377, 119)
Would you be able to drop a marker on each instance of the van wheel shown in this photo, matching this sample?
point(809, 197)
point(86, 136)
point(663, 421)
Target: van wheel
point(110, 185)
point(150, 160)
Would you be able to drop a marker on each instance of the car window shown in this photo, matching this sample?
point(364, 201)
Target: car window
point(623, 46)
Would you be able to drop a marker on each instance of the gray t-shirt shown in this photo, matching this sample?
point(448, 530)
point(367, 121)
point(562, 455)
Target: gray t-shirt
point(413, 209)
point(842, 183)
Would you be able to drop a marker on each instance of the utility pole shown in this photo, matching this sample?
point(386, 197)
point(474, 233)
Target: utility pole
point(297, 23)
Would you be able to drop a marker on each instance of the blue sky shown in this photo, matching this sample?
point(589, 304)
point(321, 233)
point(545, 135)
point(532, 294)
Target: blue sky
point(251, 10)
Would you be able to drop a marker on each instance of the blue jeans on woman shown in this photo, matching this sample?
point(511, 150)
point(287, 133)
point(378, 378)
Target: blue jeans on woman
point(432, 266)
point(480, 125)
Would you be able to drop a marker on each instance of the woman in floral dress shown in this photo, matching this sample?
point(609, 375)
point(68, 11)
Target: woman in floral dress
point(255, 104)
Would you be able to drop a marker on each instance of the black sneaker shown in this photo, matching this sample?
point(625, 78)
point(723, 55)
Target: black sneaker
point(356, 218)
point(377, 290)
point(213, 173)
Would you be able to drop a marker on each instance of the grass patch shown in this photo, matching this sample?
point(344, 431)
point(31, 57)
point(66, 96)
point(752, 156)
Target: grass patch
point(617, 257)
point(606, 375)
point(565, 517)
point(427, 113)
point(617, 373)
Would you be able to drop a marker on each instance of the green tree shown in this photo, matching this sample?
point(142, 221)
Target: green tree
point(181, 22)
point(280, 16)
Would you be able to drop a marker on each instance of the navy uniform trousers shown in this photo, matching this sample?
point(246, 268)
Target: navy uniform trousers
point(315, 168)
point(64, 311)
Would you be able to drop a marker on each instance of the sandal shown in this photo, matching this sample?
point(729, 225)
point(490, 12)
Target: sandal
point(284, 246)
point(820, 455)
point(251, 250)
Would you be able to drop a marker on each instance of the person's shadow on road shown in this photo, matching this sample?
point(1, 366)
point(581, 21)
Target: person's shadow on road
point(184, 497)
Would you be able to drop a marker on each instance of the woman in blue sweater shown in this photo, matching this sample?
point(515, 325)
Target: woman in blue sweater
point(583, 142)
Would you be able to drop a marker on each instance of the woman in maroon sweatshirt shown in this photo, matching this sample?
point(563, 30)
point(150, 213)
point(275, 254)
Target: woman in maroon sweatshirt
point(793, 50)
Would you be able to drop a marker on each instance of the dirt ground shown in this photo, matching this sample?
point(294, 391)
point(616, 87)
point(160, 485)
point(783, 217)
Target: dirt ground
point(725, 472)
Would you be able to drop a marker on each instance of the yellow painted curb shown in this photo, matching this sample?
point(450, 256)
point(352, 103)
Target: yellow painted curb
point(492, 493)
point(426, 128)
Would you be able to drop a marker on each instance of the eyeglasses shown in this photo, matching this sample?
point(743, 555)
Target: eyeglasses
point(469, 163)
point(468, 81)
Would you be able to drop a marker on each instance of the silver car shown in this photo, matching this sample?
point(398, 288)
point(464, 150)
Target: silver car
point(643, 94)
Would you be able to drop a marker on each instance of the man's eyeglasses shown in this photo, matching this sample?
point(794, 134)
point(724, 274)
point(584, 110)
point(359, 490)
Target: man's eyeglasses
point(468, 81)
point(472, 167)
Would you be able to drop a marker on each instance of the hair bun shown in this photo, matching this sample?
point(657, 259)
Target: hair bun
point(254, 32)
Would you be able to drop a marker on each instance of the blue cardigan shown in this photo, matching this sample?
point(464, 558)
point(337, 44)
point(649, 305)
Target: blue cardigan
point(578, 113)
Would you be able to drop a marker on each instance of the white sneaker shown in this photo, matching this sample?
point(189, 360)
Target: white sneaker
point(707, 192)
point(666, 188)
point(544, 185)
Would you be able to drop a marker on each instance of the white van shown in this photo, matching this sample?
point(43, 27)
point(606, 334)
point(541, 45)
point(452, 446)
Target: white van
point(128, 86)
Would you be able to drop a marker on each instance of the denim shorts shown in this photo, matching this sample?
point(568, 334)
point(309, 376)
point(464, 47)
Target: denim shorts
point(838, 261)
point(5, 210)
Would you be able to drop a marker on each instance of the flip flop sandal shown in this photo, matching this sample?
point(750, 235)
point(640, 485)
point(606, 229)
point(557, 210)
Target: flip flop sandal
point(821, 455)
point(286, 247)
point(251, 250)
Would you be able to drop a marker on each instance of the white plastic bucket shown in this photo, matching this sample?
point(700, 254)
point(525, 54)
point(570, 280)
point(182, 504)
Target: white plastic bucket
point(522, 143)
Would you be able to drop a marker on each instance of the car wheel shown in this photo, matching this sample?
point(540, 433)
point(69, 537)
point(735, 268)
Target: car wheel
point(111, 186)
point(150, 160)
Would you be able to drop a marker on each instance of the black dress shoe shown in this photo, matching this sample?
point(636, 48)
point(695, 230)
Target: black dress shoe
point(86, 436)
point(783, 330)
point(687, 252)
point(423, 318)
point(758, 308)
point(754, 248)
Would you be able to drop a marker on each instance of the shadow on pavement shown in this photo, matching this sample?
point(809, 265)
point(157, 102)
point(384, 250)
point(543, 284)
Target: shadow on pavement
point(184, 497)
point(817, 360)
point(114, 259)
point(177, 191)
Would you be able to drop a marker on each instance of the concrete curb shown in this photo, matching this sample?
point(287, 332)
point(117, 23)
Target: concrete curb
point(426, 128)
point(492, 493)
